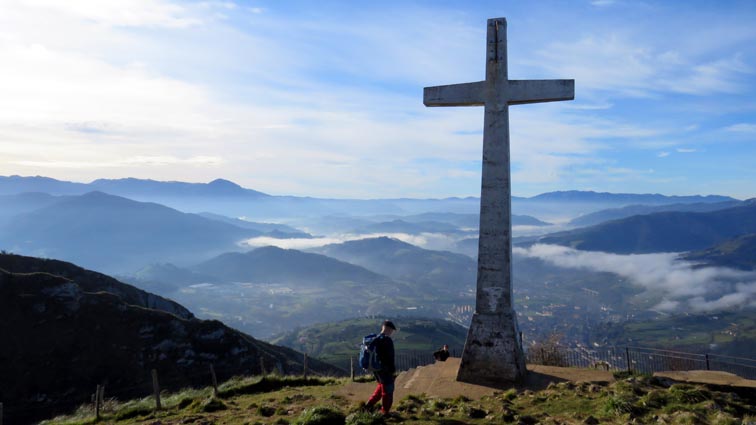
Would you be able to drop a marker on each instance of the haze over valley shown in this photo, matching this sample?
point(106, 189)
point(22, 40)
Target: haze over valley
point(268, 264)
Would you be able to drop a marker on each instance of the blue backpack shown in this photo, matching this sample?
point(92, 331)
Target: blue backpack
point(368, 353)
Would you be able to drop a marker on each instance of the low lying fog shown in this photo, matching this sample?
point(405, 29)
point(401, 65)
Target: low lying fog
point(683, 285)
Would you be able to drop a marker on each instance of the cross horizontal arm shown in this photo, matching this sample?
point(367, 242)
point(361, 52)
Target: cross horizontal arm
point(466, 94)
point(535, 91)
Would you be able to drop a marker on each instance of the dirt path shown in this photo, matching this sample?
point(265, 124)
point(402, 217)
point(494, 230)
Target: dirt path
point(709, 377)
point(439, 380)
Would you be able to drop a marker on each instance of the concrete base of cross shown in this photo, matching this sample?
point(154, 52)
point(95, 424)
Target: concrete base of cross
point(493, 354)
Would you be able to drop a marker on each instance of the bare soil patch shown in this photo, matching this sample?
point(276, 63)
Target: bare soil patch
point(439, 380)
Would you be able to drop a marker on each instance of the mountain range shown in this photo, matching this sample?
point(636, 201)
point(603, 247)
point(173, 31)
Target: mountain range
point(287, 267)
point(437, 271)
point(116, 234)
point(276, 230)
point(631, 210)
point(128, 187)
point(661, 232)
point(12, 205)
point(227, 198)
point(625, 198)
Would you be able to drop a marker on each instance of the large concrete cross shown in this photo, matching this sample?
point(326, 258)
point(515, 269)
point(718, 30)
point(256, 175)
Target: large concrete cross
point(493, 352)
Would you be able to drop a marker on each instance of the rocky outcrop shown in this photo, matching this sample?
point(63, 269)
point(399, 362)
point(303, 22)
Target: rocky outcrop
point(91, 281)
point(59, 341)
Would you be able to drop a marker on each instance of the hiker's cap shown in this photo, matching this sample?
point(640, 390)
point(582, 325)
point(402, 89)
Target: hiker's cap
point(389, 324)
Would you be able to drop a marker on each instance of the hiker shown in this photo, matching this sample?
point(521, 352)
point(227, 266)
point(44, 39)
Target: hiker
point(441, 354)
point(384, 391)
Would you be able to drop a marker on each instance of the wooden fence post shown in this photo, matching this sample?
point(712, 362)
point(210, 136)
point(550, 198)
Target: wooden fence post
point(102, 396)
point(351, 369)
point(262, 367)
point(627, 359)
point(97, 403)
point(215, 380)
point(156, 389)
point(707, 361)
point(305, 366)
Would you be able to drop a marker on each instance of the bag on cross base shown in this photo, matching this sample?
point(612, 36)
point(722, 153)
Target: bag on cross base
point(368, 353)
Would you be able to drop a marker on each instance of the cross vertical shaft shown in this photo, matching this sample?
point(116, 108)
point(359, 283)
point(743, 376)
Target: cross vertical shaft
point(493, 353)
point(494, 289)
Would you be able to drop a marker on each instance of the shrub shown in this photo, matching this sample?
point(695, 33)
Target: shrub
point(655, 399)
point(460, 400)
point(266, 411)
point(238, 386)
point(185, 402)
point(510, 395)
point(549, 352)
point(211, 405)
point(689, 394)
point(618, 405)
point(410, 404)
point(132, 413)
point(437, 404)
point(475, 412)
point(321, 415)
point(365, 418)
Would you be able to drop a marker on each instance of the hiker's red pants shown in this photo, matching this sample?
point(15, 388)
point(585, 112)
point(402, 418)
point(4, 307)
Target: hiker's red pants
point(385, 393)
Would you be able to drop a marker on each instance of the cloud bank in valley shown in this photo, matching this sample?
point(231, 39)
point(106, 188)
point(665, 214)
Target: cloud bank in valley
point(684, 287)
point(435, 241)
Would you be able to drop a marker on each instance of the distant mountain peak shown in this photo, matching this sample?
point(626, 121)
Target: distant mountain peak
point(224, 183)
point(654, 198)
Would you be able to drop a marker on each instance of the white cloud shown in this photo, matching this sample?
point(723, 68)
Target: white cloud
point(612, 62)
point(681, 283)
point(663, 154)
point(332, 108)
point(602, 3)
point(131, 13)
point(293, 243)
point(744, 295)
point(742, 128)
point(435, 241)
point(686, 150)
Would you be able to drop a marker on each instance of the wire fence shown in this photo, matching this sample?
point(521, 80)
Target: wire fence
point(638, 359)
point(403, 360)
point(30, 411)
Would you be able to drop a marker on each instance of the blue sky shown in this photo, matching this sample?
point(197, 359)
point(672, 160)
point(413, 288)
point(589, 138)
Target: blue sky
point(325, 98)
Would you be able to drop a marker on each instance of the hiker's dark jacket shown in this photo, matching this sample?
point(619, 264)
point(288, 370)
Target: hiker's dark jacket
point(441, 355)
point(384, 347)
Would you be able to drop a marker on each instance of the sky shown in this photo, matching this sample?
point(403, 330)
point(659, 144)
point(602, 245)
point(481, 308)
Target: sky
point(325, 98)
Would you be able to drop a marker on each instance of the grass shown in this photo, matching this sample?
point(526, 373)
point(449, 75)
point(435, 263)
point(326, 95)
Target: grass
point(296, 401)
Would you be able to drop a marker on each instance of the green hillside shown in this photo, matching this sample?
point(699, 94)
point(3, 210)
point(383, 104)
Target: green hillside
point(738, 253)
point(725, 333)
point(442, 273)
point(661, 232)
point(336, 342)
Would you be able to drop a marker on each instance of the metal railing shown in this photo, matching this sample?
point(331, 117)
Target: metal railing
point(639, 359)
